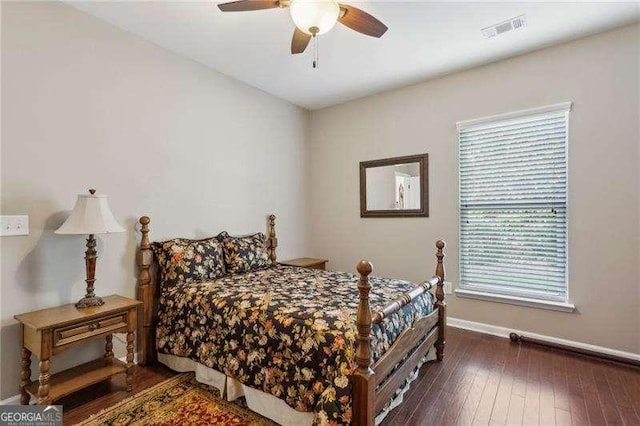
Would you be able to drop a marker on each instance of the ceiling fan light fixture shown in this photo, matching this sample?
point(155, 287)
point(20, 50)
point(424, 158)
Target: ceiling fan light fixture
point(314, 17)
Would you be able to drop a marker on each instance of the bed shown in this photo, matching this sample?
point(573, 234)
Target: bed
point(303, 346)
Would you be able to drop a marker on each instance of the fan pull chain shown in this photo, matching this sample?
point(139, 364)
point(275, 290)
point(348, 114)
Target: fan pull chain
point(315, 51)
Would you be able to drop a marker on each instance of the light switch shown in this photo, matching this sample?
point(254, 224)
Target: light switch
point(14, 225)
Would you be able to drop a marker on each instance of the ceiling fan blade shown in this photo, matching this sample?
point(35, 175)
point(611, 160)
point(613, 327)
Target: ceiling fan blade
point(299, 42)
point(247, 5)
point(361, 21)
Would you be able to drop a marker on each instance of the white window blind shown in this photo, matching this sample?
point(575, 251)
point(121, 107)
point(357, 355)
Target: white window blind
point(513, 204)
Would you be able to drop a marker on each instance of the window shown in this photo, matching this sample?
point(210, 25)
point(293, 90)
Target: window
point(513, 206)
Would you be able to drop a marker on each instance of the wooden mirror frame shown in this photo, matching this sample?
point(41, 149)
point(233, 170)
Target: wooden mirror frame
point(423, 211)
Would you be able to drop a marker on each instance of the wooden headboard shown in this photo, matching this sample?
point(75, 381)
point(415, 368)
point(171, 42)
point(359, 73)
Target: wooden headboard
point(148, 293)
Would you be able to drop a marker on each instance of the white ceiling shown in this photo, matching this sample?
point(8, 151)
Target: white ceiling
point(425, 39)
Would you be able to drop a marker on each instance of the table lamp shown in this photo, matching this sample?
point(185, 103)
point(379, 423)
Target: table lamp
point(91, 215)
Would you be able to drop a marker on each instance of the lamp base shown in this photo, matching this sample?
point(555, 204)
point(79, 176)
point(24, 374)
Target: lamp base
point(89, 301)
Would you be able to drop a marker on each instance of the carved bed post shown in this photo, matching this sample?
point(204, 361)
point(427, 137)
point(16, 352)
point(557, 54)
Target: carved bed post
point(145, 294)
point(272, 241)
point(440, 303)
point(364, 377)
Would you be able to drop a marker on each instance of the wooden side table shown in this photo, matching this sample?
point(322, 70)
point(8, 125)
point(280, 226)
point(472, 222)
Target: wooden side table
point(307, 262)
point(48, 332)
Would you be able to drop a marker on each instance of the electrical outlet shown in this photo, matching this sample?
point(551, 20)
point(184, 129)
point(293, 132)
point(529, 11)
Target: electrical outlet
point(448, 287)
point(14, 225)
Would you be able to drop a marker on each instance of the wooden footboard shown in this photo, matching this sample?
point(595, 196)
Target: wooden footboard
point(375, 384)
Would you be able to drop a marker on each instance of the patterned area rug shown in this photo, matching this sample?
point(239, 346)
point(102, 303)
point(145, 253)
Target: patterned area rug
point(180, 400)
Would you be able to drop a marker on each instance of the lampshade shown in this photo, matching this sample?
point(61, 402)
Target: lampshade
point(91, 215)
point(319, 15)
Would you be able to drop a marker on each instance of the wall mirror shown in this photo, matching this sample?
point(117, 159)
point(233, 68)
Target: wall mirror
point(395, 187)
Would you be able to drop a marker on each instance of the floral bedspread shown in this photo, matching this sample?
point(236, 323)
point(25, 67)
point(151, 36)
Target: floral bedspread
point(284, 330)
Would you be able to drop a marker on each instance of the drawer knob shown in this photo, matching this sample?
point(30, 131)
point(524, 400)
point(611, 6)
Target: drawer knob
point(93, 326)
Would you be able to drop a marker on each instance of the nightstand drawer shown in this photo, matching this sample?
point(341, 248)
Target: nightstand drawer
point(65, 335)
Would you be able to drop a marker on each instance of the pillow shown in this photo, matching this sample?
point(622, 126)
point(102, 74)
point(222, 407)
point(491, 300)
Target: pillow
point(244, 254)
point(189, 261)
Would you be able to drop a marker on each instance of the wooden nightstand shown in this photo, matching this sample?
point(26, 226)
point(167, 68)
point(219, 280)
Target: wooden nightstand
point(307, 262)
point(50, 331)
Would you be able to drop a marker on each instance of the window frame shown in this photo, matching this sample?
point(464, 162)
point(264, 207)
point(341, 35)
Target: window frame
point(504, 297)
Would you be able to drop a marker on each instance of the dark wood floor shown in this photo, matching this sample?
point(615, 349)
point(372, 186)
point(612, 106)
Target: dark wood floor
point(483, 380)
point(488, 380)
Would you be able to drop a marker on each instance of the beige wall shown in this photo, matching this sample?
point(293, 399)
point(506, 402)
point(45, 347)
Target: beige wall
point(87, 105)
point(600, 75)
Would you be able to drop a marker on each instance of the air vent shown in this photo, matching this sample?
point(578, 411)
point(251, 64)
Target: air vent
point(509, 25)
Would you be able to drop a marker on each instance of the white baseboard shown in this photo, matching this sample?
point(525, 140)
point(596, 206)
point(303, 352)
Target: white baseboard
point(504, 332)
point(12, 400)
point(124, 358)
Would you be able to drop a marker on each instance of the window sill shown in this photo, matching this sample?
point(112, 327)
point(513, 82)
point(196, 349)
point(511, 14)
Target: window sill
point(515, 300)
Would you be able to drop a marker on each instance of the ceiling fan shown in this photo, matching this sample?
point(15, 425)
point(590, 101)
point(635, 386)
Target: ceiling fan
point(313, 18)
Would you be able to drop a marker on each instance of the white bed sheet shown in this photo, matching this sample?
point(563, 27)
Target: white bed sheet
point(261, 402)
